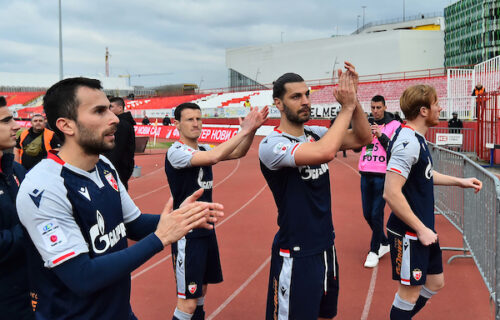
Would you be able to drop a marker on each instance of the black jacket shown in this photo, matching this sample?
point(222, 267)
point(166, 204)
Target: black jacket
point(122, 155)
point(14, 288)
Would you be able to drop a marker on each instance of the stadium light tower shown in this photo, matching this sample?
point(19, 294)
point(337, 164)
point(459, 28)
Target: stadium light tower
point(364, 7)
point(61, 74)
point(403, 10)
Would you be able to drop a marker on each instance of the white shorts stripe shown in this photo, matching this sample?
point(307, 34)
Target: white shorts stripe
point(405, 263)
point(284, 288)
point(180, 268)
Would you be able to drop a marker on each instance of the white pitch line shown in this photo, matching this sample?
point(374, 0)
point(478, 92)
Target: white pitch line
point(146, 175)
point(369, 295)
point(218, 226)
point(237, 291)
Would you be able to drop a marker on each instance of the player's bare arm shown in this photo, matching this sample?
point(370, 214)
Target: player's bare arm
point(324, 150)
point(255, 118)
point(396, 200)
point(248, 127)
point(446, 180)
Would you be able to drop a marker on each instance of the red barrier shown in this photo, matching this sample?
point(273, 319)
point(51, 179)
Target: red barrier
point(208, 134)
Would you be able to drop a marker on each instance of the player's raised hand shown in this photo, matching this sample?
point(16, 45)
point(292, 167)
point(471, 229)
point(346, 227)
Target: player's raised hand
point(427, 237)
point(351, 71)
point(471, 183)
point(345, 92)
point(254, 119)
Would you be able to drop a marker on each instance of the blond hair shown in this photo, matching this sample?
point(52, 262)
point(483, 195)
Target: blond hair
point(416, 97)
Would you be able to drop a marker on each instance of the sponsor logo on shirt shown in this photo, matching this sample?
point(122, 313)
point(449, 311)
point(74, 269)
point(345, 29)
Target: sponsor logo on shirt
point(36, 196)
point(280, 148)
point(52, 234)
point(101, 241)
point(308, 173)
point(204, 184)
point(84, 192)
point(428, 170)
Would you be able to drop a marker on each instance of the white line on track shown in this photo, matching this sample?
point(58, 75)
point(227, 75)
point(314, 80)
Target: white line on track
point(146, 175)
point(373, 280)
point(237, 291)
point(230, 174)
point(218, 226)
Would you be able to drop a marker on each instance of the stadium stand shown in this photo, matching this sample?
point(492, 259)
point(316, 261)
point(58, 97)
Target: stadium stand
point(391, 89)
point(20, 98)
point(160, 102)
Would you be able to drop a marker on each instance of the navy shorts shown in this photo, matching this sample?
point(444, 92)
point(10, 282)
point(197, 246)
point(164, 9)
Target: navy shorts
point(411, 260)
point(196, 262)
point(303, 287)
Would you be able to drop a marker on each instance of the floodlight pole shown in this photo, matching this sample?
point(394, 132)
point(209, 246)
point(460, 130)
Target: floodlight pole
point(364, 7)
point(403, 10)
point(60, 45)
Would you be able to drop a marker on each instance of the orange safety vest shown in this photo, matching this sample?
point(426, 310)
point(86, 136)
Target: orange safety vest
point(478, 92)
point(47, 137)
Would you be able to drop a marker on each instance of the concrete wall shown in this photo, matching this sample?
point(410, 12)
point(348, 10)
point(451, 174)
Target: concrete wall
point(372, 53)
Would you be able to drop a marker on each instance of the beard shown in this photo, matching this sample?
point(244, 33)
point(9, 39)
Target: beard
point(92, 143)
point(297, 118)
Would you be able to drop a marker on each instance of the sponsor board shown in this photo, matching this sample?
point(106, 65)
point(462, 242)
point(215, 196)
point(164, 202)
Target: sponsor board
point(447, 139)
point(208, 134)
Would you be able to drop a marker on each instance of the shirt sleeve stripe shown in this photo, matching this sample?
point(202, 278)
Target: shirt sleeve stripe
point(67, 255)
point(396, 170)
point(293, 149)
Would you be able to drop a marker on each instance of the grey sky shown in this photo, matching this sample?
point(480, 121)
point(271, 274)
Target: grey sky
point(186, 38)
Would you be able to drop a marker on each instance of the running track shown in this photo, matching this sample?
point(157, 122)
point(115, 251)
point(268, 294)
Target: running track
point(245, 235)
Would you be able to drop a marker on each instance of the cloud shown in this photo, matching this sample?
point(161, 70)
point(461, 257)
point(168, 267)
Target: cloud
point(186, 38)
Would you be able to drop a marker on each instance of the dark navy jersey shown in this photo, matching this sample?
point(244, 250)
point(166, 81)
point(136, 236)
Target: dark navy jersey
point(185, 179)
point(409, 157)
point(68, 211)
point(301, 193)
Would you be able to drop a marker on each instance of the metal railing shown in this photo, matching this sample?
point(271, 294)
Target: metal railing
point(474, 215)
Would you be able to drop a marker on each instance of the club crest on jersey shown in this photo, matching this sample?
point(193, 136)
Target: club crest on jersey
point(308, 173)
point(101, 241)
point(310, 139)
point(111, 180)
point(192, 287)
point(417, 274)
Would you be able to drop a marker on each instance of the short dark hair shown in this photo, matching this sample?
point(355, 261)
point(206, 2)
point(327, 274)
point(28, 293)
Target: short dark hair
point(379, 98)
point(3, 101)
point(60, 100)
point(119, 101)
point(182, 106)
point(279, 85)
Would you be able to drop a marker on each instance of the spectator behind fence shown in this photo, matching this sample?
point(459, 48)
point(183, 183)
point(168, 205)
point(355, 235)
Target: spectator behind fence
point(14, 288)
point(33, 144)
point(145, 120)
point(455, 124)
point(479, 93)
point(122, 155)
point(79, 215)
point(166, 121)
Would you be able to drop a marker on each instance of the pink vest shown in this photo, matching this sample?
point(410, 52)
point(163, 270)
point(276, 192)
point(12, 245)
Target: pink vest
point(373, 157)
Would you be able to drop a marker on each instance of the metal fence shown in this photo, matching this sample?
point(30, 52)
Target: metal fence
point(474, 215)
point(469, 138)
